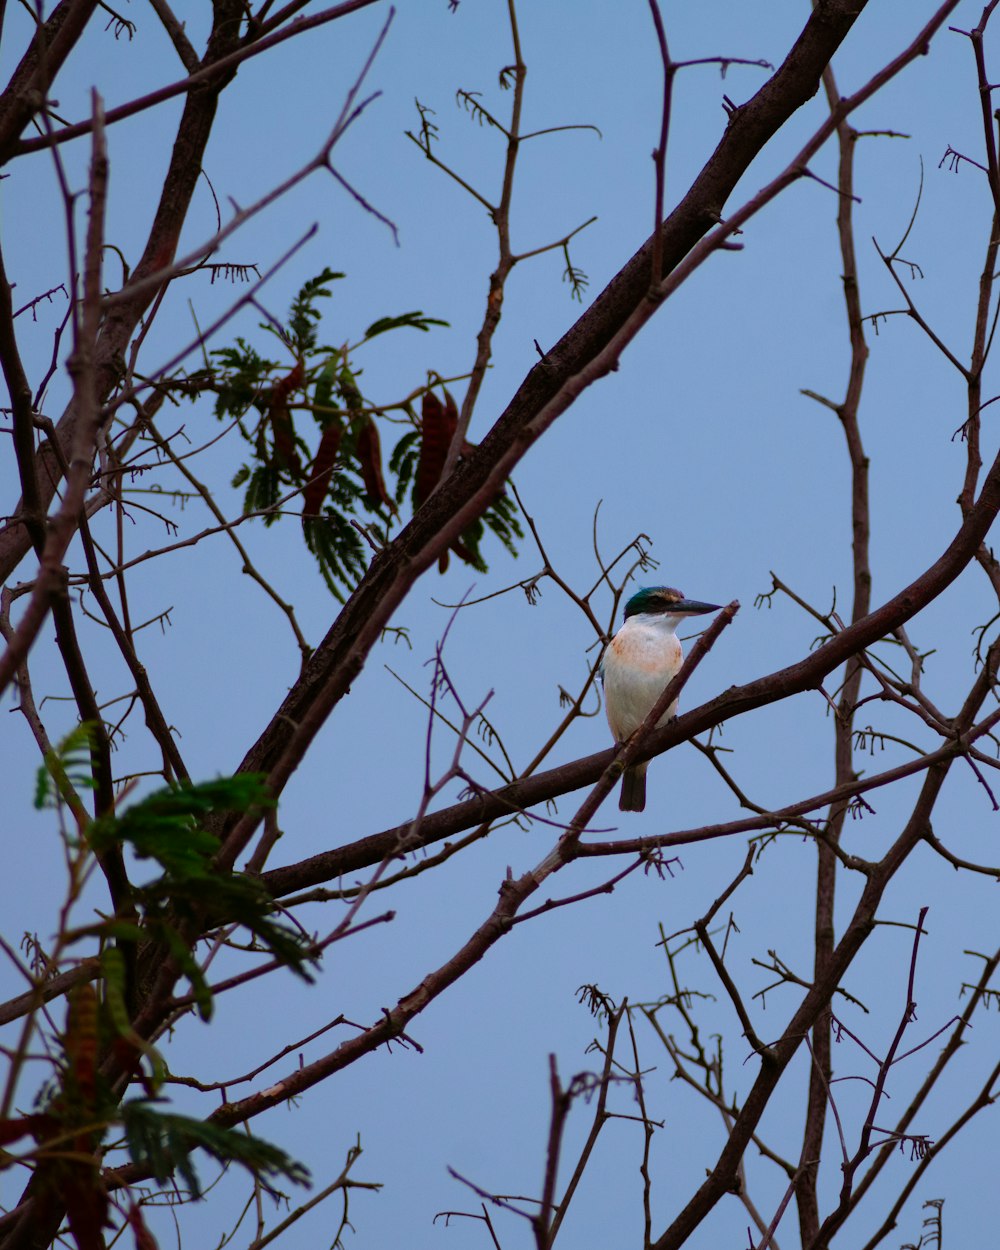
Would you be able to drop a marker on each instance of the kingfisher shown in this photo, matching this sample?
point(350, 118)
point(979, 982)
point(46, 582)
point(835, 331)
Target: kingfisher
point(640, 660)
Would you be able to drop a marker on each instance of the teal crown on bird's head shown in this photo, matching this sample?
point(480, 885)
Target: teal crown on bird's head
point(665, 601)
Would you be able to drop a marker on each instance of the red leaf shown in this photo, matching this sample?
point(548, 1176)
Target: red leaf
point(144, 1239)
point(39, 1126)
point(80, 1042)
point(321, 469)
point(284, 386)
point(370, 457)
point(439, 424)
point(281, 419)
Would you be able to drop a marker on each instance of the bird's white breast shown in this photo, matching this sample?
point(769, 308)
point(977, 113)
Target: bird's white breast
point(641, 658)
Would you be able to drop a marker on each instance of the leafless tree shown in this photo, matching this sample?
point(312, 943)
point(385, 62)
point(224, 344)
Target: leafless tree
point(103, 999)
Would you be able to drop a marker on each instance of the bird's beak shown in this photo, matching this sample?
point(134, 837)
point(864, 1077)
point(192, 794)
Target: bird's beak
point(693, 607)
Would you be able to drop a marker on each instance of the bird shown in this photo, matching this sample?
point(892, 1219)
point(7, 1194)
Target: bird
point(638, 663)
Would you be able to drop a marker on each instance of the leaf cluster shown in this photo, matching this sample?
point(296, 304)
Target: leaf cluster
point(168, 827)
point(314, 437)
point(77, 1108)
point(163, 1141)
point(66, 769)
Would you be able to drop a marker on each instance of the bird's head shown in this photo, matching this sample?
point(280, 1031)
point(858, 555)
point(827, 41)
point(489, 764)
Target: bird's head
point(665, 601)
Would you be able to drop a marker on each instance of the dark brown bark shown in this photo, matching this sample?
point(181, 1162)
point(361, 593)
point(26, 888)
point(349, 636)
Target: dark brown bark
point(805, 674)
point(458, 501)
point(120, 324)
point(27, 91)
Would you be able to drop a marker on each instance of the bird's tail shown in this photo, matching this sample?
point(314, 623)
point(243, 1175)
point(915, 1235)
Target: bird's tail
point(633, 796)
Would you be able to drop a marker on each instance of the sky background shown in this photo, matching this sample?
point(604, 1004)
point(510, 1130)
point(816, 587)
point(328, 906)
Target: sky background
point(702, 441)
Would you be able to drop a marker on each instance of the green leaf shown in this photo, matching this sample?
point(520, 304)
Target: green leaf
point(263, 491)
point(323, 391)
point(168, 827)
point(327, 388)
point(414, 320)
point(69, 765)
point(188, 965)
point(165, 825)
point(336, 544)
point(303, 316)
point(163, 1141)
point(239, 899)
point(502, 518)
point(242, 377)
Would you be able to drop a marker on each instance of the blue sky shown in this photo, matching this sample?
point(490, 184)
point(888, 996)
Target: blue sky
point(702, 440)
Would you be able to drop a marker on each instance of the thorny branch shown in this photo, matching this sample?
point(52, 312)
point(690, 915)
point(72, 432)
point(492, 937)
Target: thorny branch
point(103, 326)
